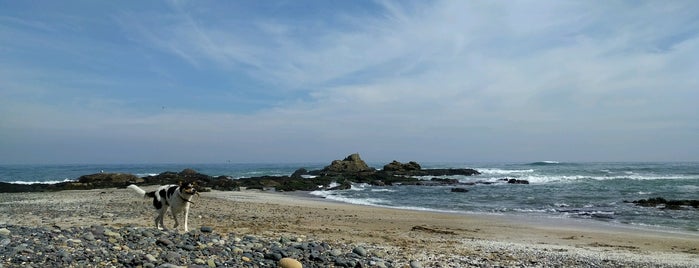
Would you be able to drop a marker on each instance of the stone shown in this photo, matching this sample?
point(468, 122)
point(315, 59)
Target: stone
point(151, 258)
point(111, 233)
point(5, 232)
point(206, 229)
point(164, 241)
point(415, 264)
point(89, 236)
point(360, 251)
point(289, 263)
point(172, 257)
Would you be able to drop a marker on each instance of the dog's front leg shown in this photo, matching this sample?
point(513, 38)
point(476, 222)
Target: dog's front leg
point(186, 216)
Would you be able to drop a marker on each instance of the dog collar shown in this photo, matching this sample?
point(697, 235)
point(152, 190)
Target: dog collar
point(183, 199)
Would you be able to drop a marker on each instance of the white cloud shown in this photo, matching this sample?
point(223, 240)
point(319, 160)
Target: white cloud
point(503, 81)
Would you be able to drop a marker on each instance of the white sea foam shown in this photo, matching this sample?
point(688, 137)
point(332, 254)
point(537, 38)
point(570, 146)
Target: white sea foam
point(532, 210)
point(492, 171)
point(38, 182)
point(555, 178)
point(359, 186)
point(142, 175)
point(357, 201)
point(383, 190)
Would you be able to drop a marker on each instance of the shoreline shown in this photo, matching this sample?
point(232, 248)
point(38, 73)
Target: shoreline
point(543, 219)
point(423, 234)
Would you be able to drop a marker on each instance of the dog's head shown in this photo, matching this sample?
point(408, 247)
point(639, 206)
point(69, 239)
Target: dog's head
point(189, 188)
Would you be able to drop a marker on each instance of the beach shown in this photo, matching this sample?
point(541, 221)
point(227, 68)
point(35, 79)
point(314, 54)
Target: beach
point(395, 237)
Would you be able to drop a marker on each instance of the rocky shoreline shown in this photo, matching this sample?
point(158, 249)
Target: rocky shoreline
point(100, 246)
point(344, 172)
point(112, 228)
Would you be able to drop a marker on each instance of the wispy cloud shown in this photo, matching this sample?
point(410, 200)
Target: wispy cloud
point(431, 80)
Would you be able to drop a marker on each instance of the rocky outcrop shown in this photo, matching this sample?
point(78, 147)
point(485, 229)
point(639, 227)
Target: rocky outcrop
point(351, 164)
point(350, 170)
point(104, 180)
point(204, 182)
point(666, 204)
point(396, 166)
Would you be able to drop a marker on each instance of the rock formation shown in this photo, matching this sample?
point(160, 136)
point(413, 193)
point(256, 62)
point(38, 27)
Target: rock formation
point(351, 164)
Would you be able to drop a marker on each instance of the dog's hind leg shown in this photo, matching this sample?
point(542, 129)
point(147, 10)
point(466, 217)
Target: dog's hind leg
point(174, 216)
point(159, 220)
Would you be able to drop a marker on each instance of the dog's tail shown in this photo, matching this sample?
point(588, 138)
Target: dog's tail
point(140, 192)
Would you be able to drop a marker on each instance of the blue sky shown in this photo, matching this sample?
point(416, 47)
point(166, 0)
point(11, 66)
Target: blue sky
point(298, 81)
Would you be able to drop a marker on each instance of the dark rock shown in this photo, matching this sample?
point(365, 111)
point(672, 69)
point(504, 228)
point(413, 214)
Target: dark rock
point(378, 183)
point(667, 204)
point(400, 167)
point(105, 180)
point(206, 229)
point(275, 256)
point(516, 181)
point(299, 172)
point(20, 188)
point(459, 190)
point(164, 241)
point(352, 163)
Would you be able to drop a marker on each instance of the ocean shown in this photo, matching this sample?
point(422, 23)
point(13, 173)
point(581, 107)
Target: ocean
point(582, 191)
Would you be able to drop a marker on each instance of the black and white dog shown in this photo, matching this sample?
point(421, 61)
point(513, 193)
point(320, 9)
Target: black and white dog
point(176, 197)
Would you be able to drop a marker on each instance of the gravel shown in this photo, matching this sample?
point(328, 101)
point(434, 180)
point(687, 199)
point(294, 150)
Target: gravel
point(100, 246)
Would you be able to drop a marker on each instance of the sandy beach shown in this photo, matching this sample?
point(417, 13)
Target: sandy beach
point(433, 239)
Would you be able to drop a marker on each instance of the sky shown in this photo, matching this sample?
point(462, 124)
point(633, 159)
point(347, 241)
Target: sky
point(312, 81)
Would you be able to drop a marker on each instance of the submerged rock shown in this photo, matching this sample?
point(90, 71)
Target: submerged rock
point(516, 181)
point(666, 204)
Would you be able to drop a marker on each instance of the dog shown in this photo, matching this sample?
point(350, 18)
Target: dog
point(175, 197)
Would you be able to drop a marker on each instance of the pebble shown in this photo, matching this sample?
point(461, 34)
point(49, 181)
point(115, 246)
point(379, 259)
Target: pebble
point(360, 251)
point(22, 246)
point(415, 264)
point(289, 263)
point(206, 229)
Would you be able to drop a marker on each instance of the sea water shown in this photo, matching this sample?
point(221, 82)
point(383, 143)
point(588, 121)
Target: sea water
point(587, 191)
